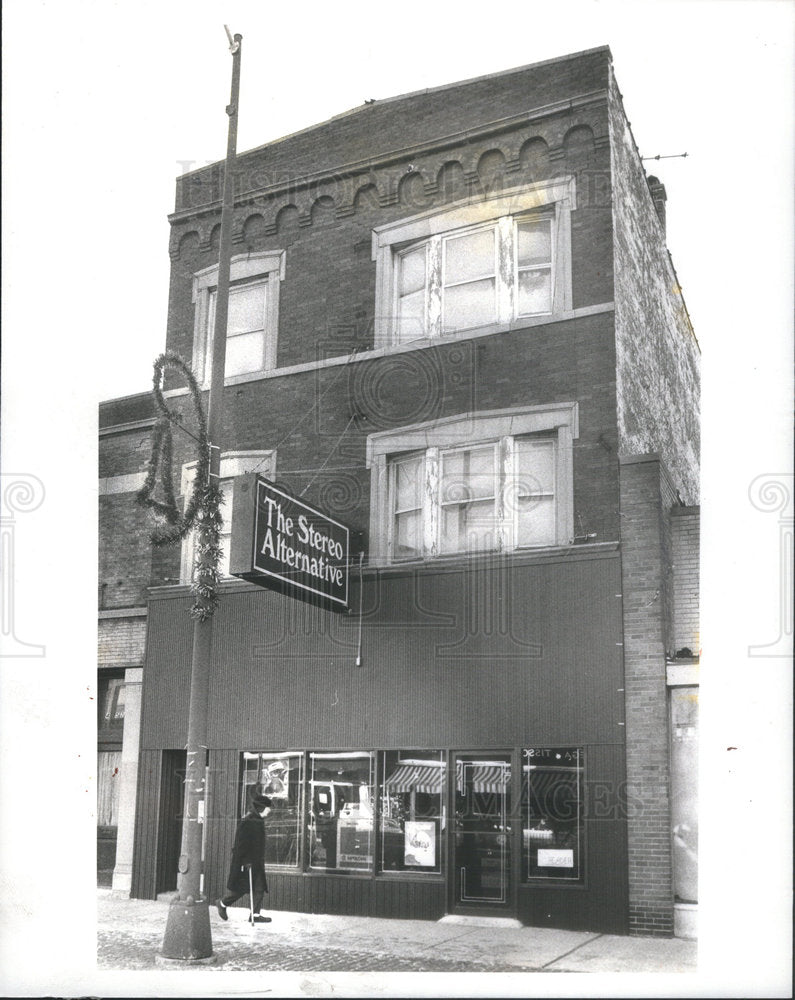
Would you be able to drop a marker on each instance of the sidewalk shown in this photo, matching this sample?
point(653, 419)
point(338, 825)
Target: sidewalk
point(130, 935)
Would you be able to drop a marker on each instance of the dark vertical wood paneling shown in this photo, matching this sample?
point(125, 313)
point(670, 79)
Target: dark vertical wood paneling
point(437, 668)
point(222, 815)
point(145, 846)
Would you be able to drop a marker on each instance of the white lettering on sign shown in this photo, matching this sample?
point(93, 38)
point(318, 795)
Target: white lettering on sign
point(559, 858)
point(297, 549)
point(318, 568)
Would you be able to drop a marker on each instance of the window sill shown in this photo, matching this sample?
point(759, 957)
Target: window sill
point(455, 562)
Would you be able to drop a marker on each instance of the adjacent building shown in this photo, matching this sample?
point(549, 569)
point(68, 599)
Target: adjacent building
point(455, 329)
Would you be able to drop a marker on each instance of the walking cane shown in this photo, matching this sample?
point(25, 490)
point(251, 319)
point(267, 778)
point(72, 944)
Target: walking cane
point(251, 892)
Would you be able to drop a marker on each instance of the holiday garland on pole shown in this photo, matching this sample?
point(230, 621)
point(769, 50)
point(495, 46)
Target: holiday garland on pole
point(203, 509)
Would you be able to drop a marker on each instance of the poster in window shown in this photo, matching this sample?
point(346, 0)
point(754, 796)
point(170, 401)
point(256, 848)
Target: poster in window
point(419, 845)
point(275, 779)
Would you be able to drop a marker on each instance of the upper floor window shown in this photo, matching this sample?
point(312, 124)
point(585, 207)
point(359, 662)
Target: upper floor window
point(232, 464)
point(483, 266)
point(252, 323)
point(495, 481)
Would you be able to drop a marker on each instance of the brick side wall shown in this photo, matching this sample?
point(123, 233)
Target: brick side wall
point(121, 641)
point(644, 558)
point(685, 523)
point(125, 556)
point(658, 359)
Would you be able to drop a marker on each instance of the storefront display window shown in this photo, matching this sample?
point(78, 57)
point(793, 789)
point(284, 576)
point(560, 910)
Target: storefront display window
point(341, 798)
point(280, 777)
point(412, 813)
point(111, 703)
point(552, 813)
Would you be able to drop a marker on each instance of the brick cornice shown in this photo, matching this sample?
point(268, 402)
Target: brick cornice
point(366, 166)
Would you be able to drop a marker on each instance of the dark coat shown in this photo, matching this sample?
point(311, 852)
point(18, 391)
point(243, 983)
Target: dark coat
point(248, 849)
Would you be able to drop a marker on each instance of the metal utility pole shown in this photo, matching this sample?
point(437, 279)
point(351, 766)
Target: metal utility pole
point(188, 937)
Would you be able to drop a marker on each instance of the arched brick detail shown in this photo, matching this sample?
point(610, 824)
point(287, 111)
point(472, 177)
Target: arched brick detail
point(491, 171)
point(322, 210)
point(534, 159)
point(411, 191)
point(254, 228)
point(366, 198)
point(287, 219)
point(188, 243)
point(450, 181)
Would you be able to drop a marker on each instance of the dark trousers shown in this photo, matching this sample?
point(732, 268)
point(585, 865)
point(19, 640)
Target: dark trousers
point(238, 889)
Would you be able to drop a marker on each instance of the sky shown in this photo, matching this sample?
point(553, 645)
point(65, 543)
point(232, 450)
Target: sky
point(106, 103)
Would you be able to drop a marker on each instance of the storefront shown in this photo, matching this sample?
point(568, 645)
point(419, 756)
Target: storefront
point(456, 771)
point(430, 815)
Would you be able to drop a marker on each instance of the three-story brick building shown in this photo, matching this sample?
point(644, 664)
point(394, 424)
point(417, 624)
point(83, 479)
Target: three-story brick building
point(455, 328)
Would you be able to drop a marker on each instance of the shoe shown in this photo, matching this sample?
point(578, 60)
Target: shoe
point(259, 919)
point(221, 910)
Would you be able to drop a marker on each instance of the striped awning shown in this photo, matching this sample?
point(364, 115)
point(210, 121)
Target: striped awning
point(415, 778)
point(494, 779)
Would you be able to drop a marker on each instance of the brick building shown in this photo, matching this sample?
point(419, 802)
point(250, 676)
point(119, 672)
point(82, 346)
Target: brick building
point(455, 328)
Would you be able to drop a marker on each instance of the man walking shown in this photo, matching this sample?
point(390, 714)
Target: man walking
point(247, 870)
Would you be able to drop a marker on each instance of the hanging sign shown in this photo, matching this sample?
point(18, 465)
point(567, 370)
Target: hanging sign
point(281, 543)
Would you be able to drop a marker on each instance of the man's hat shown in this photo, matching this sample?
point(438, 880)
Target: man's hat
point(259, 801)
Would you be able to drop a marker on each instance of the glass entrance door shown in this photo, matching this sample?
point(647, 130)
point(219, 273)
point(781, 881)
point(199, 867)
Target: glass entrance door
point(481, 866)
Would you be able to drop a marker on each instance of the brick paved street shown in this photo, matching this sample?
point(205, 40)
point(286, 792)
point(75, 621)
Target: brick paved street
point(139, 952)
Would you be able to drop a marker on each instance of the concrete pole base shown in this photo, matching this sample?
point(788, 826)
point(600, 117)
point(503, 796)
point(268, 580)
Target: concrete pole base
point(188, 937)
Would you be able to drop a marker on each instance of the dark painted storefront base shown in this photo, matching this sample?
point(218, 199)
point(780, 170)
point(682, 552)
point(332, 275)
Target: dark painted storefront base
point(368, 897)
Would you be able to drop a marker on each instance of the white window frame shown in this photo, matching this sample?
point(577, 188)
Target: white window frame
point(557, 421)
point(254, 268)
point(554, 199)
point(233, 463)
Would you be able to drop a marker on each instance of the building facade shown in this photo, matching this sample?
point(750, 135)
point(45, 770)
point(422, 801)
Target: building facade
point(454, 327)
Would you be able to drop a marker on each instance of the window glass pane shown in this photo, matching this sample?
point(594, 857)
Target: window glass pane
point(246, 309)
point(225, 542)
point(118, 708)
point(407, 504)
point(468, 257)
point(408, 536)
point(111, 693)
point(535, 466)
point(534, 244)
point(341, 789)
point(468, 527)
point(471, 305)
point(412, 815)
point(408, 484)
point(535, 292)
point(245, 352)
point(532, 494)
point(468, 519)
point(536, 521)
point(412, 271)
point(411, 316)
point(467, 474)
point(280, 777)
point(552, 813)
